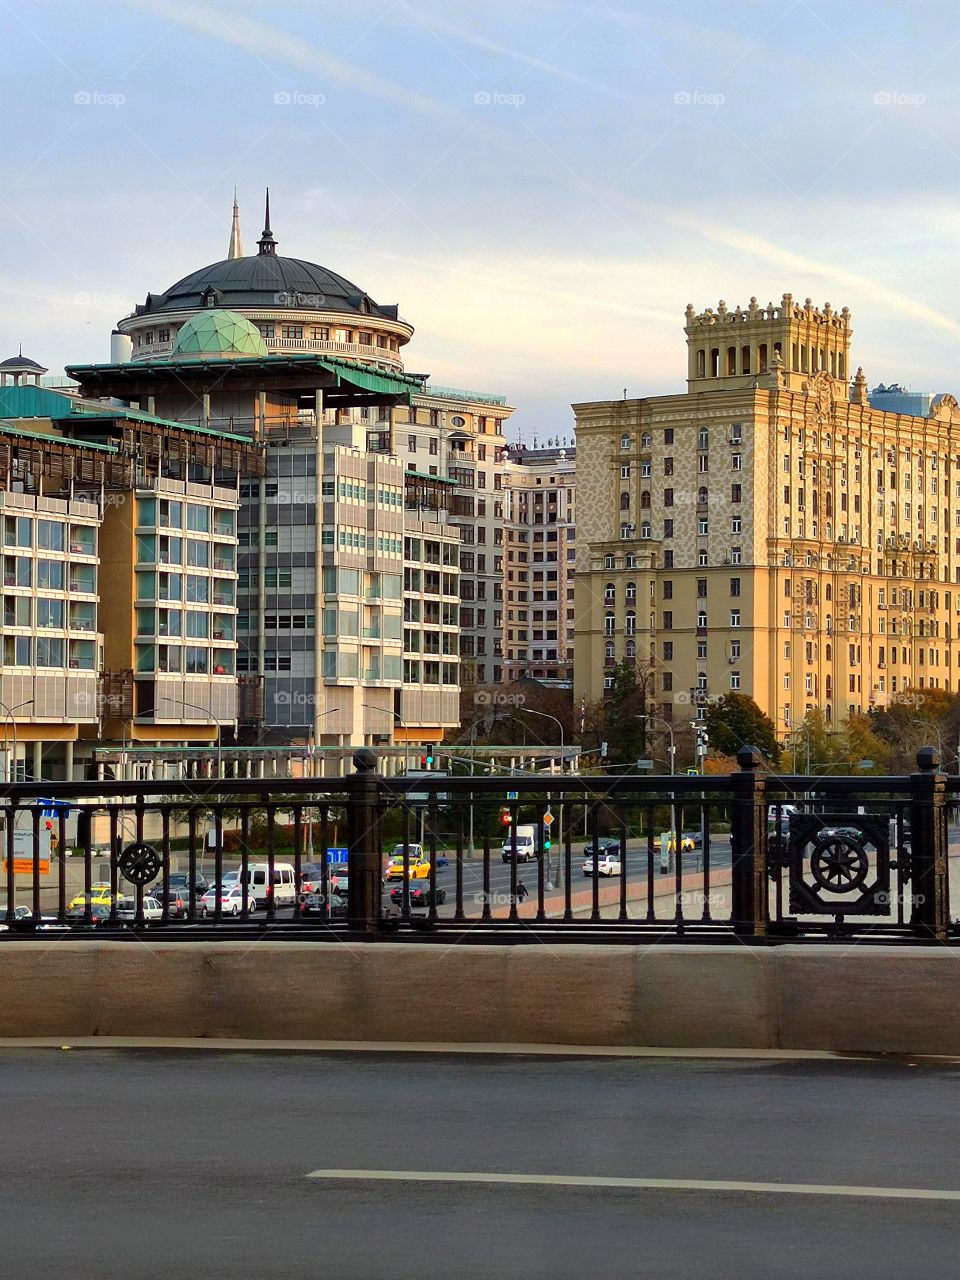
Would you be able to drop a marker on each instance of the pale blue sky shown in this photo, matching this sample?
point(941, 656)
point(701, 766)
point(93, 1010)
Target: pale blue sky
point(542, 186)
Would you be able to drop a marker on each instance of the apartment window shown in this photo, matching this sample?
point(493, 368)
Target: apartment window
point(625, 471)
point(668, 528)
point(668, 497)
point(734, 679)
point(668, 589)
point(736, 461)
point(736, 555)
point(701, 588)
point(736, 493)
point(292, 331)
point(668, 435)
point(734, 617)
point(668, 466)
point(736, 524)
point(734, 586)
point(668, 650)
point(702, 527)
point(668, 621)
point(411, 444)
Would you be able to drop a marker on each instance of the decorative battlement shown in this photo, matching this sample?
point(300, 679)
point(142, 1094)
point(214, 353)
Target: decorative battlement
point(776, 345)
point(788, 309)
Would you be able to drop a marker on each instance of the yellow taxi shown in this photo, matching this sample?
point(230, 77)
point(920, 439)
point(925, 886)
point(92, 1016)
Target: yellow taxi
point(687, 842)
point(417, 861)
point(100, 896)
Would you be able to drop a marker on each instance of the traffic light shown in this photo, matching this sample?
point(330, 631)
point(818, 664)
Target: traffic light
point(505, 817)
point(423, 762)
point(547, 842)
point(430, 759)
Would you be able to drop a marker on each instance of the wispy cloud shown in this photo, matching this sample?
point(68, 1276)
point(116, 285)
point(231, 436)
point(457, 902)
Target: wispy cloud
point(265, 43)
point(798, 264)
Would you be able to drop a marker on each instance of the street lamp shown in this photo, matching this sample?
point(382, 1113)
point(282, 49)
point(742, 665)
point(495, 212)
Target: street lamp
point(8, 713)
point(546, 715)
point(194, 706)
point(669, 728)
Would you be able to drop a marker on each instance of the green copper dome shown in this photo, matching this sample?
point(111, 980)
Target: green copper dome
point(218, 334)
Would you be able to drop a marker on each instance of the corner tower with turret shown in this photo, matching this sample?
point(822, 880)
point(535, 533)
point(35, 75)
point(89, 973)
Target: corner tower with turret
point(728, 349)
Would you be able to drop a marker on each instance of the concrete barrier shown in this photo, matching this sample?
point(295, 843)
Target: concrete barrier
point(842, 998)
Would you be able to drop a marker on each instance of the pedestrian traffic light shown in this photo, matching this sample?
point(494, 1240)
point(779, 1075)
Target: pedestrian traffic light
point(423, 762)
point(547, 841)
point(429, 759)
point(505, 817)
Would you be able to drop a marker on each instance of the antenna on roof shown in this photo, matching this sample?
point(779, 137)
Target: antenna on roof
point(236, 243)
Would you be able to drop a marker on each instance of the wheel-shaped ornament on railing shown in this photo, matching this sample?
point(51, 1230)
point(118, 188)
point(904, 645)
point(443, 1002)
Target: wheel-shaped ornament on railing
point(139, 863)
point(838, 864)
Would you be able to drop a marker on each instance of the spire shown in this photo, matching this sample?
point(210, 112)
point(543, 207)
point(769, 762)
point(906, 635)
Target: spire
point(266, 243)
point(236, 243)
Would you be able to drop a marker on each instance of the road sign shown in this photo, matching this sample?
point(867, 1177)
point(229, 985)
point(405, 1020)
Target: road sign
point(23, 853)
point(547, 819)
point(513, 795)
point(644, 764)
point(337, 855)
point(693, 773)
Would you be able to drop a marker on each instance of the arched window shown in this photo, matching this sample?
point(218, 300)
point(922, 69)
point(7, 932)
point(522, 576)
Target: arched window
point(829, 624)
point(609, 624)
point(624, 501)
point(645, 499)
point(744, 359)
point(702, 496)
point(608, 650)
point(630, 623)
point(631, 591)
point(645, 530)
point(646, 440)
point(731, 360)
point(828, 654)
point(630, 649)
point(609, 592)
point(762, 358)
point(828, 591)
point(841, 366)
point(715, 362)
point(701, 363)
point(625, 441)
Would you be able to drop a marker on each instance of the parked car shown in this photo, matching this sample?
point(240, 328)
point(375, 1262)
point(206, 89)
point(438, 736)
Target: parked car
point(607, 864)
point(283, 890)
point(339, 881)
point(420, 895)
point(152, 911)
point(311, 876)
point(20, 912)
point(99, 914)
point(231, 900)
point(687, 842)
point(605, 845)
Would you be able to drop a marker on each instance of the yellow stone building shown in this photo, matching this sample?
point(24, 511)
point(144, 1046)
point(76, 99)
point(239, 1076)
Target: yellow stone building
point(768, 531)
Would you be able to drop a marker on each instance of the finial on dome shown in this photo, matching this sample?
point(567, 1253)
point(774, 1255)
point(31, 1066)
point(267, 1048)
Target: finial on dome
point(266, 243)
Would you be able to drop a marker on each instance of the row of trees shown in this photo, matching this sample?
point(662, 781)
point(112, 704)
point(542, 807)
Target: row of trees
point(882, 741)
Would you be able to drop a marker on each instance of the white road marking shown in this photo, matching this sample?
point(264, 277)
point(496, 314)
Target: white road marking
point(637, 1184)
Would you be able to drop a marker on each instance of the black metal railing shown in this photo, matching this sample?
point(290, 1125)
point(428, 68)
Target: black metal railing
point(750, 855)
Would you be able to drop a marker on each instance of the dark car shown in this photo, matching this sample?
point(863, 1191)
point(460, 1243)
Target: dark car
point(311, 877)
point(311, 904)
point(99, 915)
point(419, 894)
point(181, 880)
point(606, 844)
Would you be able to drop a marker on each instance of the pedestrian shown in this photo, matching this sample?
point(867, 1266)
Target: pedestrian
point(521, 890)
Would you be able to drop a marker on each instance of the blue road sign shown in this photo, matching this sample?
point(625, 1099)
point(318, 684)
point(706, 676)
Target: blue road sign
point(337, 855)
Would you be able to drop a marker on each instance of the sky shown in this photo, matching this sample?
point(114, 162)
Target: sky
point(541, 185)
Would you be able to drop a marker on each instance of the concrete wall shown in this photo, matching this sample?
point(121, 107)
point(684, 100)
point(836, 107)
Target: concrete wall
point(867, 999)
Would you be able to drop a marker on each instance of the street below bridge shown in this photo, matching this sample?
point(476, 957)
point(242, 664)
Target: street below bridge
point(150, 1164)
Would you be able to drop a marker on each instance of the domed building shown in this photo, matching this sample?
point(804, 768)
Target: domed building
point(373, 478)
point(295, 305)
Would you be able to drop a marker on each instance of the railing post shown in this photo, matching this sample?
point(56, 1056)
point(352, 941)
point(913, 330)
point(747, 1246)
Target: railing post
point(363, 839)
point(930, 879)
point(748, 842)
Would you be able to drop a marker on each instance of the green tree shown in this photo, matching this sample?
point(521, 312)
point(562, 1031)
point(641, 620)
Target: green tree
point(734, 721)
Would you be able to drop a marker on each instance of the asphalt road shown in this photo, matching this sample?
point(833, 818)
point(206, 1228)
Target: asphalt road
point(179, 1164)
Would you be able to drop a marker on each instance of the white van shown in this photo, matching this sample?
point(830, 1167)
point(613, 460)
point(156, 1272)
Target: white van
point(526, 843)
point(284, 887)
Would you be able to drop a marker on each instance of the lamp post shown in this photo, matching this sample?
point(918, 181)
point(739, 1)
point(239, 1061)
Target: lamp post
point(546, 715)
point(194, 706)
point(669, 728)
point(403, 725)
point(317, 719)
point(8, 713)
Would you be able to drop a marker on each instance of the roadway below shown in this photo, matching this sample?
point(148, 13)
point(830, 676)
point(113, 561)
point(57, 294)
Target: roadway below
point(149, 1164)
